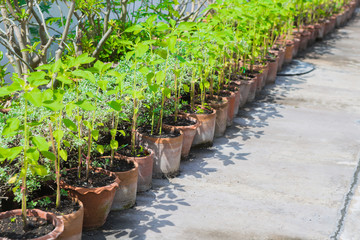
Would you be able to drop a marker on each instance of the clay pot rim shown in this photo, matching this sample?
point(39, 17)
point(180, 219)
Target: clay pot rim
point(151, 153)
point(58, 223)
point(223, 103)
point(77, 212)
point(165, 139)
point(120, 157)
point(193, 126)
point(96, 190)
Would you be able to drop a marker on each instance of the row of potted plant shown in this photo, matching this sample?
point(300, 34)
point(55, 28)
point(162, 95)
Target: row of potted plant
point(101, 133)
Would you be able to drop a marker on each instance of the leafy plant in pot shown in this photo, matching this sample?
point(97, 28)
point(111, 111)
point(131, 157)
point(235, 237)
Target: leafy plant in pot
point(28, 154)
point(94, 187)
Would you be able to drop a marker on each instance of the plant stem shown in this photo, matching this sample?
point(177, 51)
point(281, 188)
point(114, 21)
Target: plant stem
point(25, 166)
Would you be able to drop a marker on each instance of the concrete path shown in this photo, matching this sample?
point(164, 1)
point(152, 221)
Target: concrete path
point(287, 168)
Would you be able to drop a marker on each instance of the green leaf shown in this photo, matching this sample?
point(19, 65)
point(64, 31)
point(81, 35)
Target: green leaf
point(87, 124)
point(34, 97)
point(103, 84)
point(85, 75)
point(180, 58)
point(140, 50)
point(36, 79)
point(129, 55)
point(113, 132)
point(66, 143)
point(172, 44)
point(11, 127)
point(33, 154)
point(114, 144)
point(13, 179)
point(86, 105)
point(40, 143)
point(40, 170)
point(48, 155)
point(83, 59)
point(64, 79)
point(54, 106)
point(95, 134)
point(70, 108)
point(134, 28)
point(63, 154)
point(160, 77)
point(161, 52)
point(186, 88)
point(58, 134)
point(115, 105)
point(5, 91)
point(70, 125)
point(100, 149)
point(167, 92)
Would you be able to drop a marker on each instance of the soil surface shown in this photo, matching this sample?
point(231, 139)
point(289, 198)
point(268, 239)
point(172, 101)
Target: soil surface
point(139, 151)
point(12, 228)
point(119, 164)
point(188, 109)
point(179, 122)
point(166, 133)
point(96, 179)
point(67, 206)
point(225, 94)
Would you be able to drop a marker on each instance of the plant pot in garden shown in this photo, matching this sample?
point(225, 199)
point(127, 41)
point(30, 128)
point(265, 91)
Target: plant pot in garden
point(271, 77)
point(281, 54)
point(235, 87)
point(244, 91)
point(332, 23)
point(304, 40)
point(296, 46)
point(127, 171)
point(51, 218)
point(221, 106)
point(289, 51)
point(230, 97)
point(97, 201)
point(145, 168)
point(71, 212)
point(189, 131)
point(312, 36)
point(205, 132)
point(167, 151)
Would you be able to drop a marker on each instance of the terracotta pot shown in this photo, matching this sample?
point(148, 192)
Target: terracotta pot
point(145, 169)
point(57, 222)
point(338, 22)
point(253, 86)
point(296, 46)
point(289, 51)
point(271, 77)
point(327, 26)
point(221, 116)
point(321, 31)
point(265, 74)
point(304, 40)
point(332, 23)
point(237, 92)
point(205, 132)
point(244, 92)
point(312, 37)
point(167, 153)
point(125, 196)
point(73, 223)
point(97, 201)
point(281, 55)
point(189, 134)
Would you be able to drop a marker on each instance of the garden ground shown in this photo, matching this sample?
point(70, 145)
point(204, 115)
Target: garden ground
point(287, 169)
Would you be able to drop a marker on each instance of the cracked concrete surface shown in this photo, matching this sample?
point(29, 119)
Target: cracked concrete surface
point(286, 169)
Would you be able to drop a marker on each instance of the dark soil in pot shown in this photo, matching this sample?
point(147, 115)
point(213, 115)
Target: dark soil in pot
point(119, 165)
point(166, 133)
point(96, 179)
point(179, 121)
point(139, 151)
point(13, 228)
point(188, 109)
point(67, 206)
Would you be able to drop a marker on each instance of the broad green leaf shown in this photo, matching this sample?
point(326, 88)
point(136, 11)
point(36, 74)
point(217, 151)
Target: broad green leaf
point(100, 149)
point(115, 105)
point(114, 144)
point(160, 77)
point(86, 105)
point(64, 79)
point(129, 55)
point(40, 170)
point(103, 84)
point(48, 155)
point(13, 179)
point(172, 44)
point(113, 132)
point(70, 125)
point(70, 108)
point(11, 127)
point(87, 124)
point(40, 143)
point(95, 134)
point(83, 59)
point(5, 91)
point(134, 28)
point(34, 97)
point(58, 135)
point(63, 154)
point(161, 52)
point(54, 106)
point(186, 88)
point(167, 92)
point(85, 75)
point(66, 143)
point(33, 154)
point(140, 50)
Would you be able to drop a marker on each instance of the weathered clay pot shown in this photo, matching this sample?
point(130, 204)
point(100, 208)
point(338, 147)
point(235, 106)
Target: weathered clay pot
point(235, 87)
point(205, 132)
point(221, 116)
point(73, 223)
point(57, 222)
point(244, 92)
point(304, 40)
point(271, 77)
point(265, 71)
point(253, 86)
point(231, 108)
point(296, 46)
point(338, 22)
point(312, 36)
point(281, 55)
point(97, 201)
point(289, 51)
point(125, 196)
point(189, 134)
point(167, 153)
point(145, 169)
point(332, 23)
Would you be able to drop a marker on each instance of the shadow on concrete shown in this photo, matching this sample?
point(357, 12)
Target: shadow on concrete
point(134, 223)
